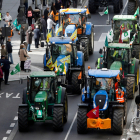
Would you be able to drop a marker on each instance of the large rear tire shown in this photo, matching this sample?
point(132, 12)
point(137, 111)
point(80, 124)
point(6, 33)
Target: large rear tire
point(22, 119)
point(91, 42)
point(58, 118)
point(85, 49)
point(118, 118)
point(130, 88)
point(82, 121)
point(117, 6)
point(92, 6)
point(131, 7)
point(75, 85)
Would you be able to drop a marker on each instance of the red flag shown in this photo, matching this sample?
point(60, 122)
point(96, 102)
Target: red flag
point(120, 39)
point(94, 113)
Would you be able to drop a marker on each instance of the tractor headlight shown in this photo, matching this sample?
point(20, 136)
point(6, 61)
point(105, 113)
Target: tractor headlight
point(37, 108)
point(105, 106)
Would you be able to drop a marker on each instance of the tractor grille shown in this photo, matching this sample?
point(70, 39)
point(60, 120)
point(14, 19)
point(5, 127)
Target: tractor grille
point(100, 101)
point(38, 104)
point(69, 34)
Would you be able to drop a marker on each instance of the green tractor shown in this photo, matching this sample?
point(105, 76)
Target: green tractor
point(43, 99)
point(127, 23)
point(120, 56)
point(132, 6)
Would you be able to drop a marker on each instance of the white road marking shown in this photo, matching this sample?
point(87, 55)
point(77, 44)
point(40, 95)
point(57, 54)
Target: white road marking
point(102, 37)
point(1, 94)
point(8, 95)
point(4, 138)
point(8, 131)
point(124, 7)
point(17, 96)
point(16, 118)
point(101, 25)
point(70, 127)
point(12, 125)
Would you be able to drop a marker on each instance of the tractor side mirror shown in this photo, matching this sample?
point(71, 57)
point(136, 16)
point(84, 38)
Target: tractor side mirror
point(100, 51)
point(59, 81)
point(133, 53)
point(124, 82)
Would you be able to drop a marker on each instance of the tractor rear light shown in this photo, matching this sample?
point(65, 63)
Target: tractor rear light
point(56, 93)
point(27, 93)
point(89, 67)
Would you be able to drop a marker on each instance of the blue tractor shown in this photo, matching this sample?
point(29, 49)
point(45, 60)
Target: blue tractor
point(61, 48)
point(105, 90)
point(72, 19)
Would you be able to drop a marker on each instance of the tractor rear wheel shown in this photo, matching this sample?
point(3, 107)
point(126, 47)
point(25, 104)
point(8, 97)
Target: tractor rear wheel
point(118, 118)
point(92, 6)
point(91, 42)
point(85, 49)
point(117, 6)
point(23, 119)
point(82, 121)
point(58, 118)
point(75, 85)
point(131, 7)
point(125, 112)
point(130, 88)
point(137, 50)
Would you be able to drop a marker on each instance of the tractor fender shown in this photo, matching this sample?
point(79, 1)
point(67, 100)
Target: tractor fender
point(136, 65)
point(24, 97)
point(59, 94)
point(89, 26)
point(83, 95)
point(63, 95)
point(58, 105)
point(80, 59)
point(83, 105)
point(23, 105)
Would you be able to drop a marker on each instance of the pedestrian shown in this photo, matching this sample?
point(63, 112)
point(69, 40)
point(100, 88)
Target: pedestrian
point(37, 35)
point(50, 24)
point(3, 51)
point(12, 34)
point(43, 24)
point(1, 37)
point(23, 56)
point(137, 101)
point(6, 66)
point(46, 14)
point(7, 18)
point(29, 35)
point(30, 15)
point(22, 34)
point(33, 1)
point(53, 10)
point(58, 5)
point(25, 44)
point(36, 13)
point(1, 4)
point(129, 138)
point(9, 50)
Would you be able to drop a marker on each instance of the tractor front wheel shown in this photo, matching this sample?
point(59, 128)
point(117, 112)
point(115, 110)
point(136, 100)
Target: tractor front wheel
point(75, 85)
point(130, 88)
point(131, 7)
point(58, 118)
point(23, 119)
point(118, 118)
point(91, 42)
point(82, 121)
point(85, 49)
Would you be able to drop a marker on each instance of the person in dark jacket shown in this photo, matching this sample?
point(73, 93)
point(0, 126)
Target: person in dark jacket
point(58, 5)
point(43, 24)
point(22, 34)
point(46, 12)
point(36, 36)
point(5, 68)
point(9, 50)
point(30, 15)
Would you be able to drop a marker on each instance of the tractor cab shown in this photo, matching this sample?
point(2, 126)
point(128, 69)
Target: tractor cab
point(123, 23)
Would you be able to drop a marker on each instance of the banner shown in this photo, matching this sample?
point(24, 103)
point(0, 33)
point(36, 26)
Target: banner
point(66, 59)
point(15, 70)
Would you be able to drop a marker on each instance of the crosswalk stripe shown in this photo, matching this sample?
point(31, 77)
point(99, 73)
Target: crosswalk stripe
point(102, 37)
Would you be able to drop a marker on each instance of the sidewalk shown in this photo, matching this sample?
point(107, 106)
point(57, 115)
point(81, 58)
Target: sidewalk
point(21, 74)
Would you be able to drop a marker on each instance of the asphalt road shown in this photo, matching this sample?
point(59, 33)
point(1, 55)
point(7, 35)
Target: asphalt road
point(43, 131)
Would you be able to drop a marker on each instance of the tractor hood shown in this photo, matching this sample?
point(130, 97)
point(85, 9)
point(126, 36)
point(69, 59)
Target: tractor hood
point(59, 62)
point(116, 65)
point(41, 96)
point(69, 30)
